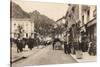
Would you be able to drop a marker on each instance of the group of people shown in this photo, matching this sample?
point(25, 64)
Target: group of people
point(89, 47)
point(69, 47)
point(30, 42)
point(72, 47)
point(23, 42)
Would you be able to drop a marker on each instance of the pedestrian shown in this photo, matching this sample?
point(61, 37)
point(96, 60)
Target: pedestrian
point(19, 45)
point(45, 43)
point(53, 43)
point(83, 48)
point(30, 43)
point(65, 43)
point(92, 48)
point(24, 42)
point(65, 47)
point(37, 42)
point(69, 48)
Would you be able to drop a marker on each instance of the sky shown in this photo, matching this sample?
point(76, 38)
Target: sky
point(52, 10)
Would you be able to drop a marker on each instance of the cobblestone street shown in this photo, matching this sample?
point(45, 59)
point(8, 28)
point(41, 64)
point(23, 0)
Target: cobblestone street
point(45, 56)
point(26, 52)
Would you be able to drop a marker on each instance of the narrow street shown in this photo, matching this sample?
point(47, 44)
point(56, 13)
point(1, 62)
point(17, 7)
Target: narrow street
point(45, 56)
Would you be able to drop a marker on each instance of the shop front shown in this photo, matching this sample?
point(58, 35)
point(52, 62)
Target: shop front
point(91, 30)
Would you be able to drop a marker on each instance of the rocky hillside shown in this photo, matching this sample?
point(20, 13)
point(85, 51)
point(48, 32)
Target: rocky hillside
point(17, 12)
point(43, 24)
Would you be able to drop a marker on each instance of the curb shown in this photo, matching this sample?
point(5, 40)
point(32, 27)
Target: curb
point(13, 61)
point(74, 58)
point(22, 57)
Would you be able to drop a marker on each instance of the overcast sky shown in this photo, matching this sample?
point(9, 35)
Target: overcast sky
point(52, 10)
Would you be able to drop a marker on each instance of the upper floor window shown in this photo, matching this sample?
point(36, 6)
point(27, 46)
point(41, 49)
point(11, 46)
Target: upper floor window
point(88, 12)
point(73, 9)
point(83, 19)
point(88, 15)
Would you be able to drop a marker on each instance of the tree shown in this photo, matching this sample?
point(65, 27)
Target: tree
point(43, 25)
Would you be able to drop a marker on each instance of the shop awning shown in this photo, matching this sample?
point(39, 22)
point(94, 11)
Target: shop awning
point(92, 22)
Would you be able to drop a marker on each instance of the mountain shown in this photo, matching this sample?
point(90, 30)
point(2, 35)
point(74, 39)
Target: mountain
point(17, 12)
point(43, 24)
point(40, 18)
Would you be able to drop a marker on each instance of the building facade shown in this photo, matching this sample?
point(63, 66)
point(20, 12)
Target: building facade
point(82, 17)
point(81, 24)
point(27, 27)
point(72, 20)
point(88, 21)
